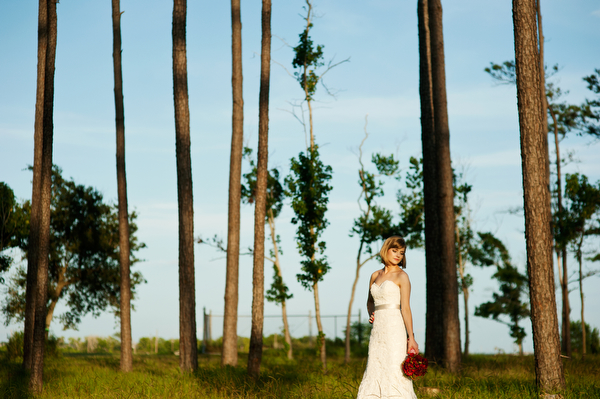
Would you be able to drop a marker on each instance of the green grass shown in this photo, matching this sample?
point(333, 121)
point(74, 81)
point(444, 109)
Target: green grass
point(97, 376)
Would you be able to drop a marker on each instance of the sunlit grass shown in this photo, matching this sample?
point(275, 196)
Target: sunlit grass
point(88, 376)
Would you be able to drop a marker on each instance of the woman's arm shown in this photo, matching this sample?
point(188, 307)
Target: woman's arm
point(406, 313)
point(370, 300)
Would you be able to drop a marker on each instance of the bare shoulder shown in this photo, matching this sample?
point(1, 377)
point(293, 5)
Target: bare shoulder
point(375, 274)
point(403, 278)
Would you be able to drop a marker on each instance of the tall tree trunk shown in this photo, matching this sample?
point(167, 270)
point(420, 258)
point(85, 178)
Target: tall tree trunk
point(60, 285)
point(543, 98)
point(445, 192)
point(434, 333)
point(125, 286)
point(464, 288)
point(561, 251)
point(41, 269)
point(230, 355)
point(188, 359)
point(286, 326)
point(348, 317)
point(466, 299)
point(548, 366)
point(258, 275)
point(580, 261)
point(34, 223)
point(321, 340)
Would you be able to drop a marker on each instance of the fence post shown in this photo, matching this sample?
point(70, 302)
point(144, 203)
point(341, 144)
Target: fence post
point(310, 336)
point(204, 327)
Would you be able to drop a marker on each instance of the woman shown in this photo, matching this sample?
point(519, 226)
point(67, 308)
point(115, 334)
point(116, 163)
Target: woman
point(392, 324)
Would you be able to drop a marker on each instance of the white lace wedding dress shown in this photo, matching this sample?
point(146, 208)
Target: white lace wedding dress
point(383, 377)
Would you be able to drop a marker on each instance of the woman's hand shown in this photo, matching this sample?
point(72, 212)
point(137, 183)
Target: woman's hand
point(372, 318)
point(413, 347)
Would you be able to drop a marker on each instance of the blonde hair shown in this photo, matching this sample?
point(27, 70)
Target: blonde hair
point(393, 242)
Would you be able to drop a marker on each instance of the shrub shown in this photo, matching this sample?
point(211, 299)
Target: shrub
point(14, 347)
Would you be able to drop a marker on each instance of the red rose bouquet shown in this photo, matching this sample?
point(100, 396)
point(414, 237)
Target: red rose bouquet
point(414, 365)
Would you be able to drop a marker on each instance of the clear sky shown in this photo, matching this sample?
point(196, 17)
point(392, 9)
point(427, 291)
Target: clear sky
point(381, 80)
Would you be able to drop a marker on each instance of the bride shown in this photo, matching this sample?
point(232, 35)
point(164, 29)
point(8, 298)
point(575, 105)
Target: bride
point(392, 325)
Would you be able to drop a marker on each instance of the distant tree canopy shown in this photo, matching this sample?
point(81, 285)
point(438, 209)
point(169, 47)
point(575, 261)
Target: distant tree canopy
point(592, 344)
point(374, 222)
point(13, 226)
point(84, 263)
point(278, 292)
point(582, 119)
point(508, 302)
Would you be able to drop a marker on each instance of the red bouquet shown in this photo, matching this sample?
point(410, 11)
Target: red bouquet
point(414, 365)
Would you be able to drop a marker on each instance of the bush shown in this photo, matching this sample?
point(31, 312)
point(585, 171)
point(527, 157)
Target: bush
point(592, 338)
point(14, 347)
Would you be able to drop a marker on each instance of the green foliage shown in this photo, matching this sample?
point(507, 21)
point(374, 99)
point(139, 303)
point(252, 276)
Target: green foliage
point(375, 222)
point(360, 332)
point(592, 338)
point(590, 116)
point(490, 251)
point(582, 119)
point(412, 206)
point(14, 227)
point(307, 59)
point(147, 345)
point(84, 254)
point(504, 73)
point(581, 214)
point(14, 347)
point(508, 301)
point(275, 192)
point(308, 187)
point(583, 202)
point(279, 291)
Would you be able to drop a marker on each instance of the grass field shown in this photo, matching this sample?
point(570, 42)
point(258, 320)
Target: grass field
point(156, 376)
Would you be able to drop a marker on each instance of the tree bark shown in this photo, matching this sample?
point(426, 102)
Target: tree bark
point(464, 288)
point(445, 193)
point(548, 366)
point(41, 287)
point(321, 340)
point(543, 98)
point(434, 342)
point(34, 223)
point(188, 359)
point(286, 327)
point(348, 317)
point(561, 251)
point(230, 355)
point(258, 276)
point(60, 285)
point(124, 252)
point(580, 261)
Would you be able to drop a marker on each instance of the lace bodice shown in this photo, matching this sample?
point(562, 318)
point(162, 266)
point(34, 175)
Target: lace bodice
point(387, 292)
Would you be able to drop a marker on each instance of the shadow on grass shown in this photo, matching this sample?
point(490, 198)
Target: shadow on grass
point(14, 381)
point(281, 377)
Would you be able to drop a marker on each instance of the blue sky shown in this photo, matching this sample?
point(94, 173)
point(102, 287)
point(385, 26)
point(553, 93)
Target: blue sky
point(381, 80)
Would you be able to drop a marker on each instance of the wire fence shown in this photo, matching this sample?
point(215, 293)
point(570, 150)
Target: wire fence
point(300, 325)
